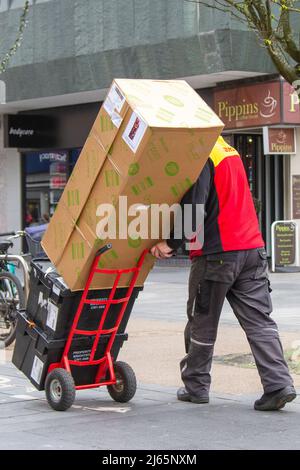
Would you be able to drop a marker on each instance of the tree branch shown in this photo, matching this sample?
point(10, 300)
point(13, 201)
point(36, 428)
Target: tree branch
point(271, 25)
point(282, 3)
point(23, 22)
point(290, 44)
point(223, 9)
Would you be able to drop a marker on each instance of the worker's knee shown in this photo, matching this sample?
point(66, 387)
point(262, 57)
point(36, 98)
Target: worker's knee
point(267, 333)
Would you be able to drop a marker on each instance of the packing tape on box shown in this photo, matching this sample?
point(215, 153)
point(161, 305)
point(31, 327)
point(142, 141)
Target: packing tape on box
point(114, 164)
point(97, 139)
point(75, 225)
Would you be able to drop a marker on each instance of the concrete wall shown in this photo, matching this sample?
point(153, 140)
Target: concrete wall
point(295, 165)
point(295, 170)
point(10, 188)
point(80, 45)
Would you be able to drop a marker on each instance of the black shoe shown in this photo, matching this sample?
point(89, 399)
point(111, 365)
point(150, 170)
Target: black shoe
point(275, 400)
point(183, 395)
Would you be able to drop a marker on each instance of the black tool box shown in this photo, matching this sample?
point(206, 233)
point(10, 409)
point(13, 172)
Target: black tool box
point(52, 306)
point(34, 352)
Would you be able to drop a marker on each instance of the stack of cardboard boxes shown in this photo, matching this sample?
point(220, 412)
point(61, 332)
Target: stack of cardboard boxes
point(149, 143)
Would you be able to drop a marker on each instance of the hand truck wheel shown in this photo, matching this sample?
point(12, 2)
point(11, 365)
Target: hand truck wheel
point(60, 389)
point(125, 387)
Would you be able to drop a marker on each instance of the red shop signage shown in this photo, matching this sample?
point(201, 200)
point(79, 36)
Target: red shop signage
point(291, 104)
point(279, 140)
point(249, 106)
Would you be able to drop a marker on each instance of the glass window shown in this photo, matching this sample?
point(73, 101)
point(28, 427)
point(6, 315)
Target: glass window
point(46, 174)
point(45, 178)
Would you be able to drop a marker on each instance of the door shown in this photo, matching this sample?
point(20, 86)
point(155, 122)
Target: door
point(273, 208)
point(265, 176)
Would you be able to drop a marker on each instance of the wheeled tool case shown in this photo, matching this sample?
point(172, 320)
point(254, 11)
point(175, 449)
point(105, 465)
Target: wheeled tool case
point(73, 344)
point(52, 306)
point(34, 352)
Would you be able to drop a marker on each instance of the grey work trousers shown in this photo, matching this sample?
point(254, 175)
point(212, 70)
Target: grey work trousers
point(242, 278)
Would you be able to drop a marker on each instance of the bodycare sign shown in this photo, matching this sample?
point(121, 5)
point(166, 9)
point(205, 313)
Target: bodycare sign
point(29, 131)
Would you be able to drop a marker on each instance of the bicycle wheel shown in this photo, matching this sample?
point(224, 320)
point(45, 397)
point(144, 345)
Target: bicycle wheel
point(11, 300)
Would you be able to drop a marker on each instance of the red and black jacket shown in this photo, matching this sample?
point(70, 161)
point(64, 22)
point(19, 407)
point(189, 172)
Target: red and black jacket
point(230, 220)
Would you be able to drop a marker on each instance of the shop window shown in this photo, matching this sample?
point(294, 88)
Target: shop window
point(46, 174)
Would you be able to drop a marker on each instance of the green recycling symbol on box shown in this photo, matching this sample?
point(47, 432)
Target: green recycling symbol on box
point(134, 242)
point(133, 169)
point(172, 168)
point(173, 100)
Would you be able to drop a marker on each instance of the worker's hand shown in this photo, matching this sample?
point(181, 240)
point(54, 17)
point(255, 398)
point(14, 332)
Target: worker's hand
point(161, 250)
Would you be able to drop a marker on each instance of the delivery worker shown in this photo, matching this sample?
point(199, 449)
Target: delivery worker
point(232, 263)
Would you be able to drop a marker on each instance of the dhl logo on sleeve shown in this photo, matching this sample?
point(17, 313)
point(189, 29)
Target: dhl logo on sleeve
point(222, 150)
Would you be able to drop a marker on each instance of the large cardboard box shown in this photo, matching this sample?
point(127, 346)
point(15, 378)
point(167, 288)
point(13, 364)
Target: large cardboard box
point(149, 143)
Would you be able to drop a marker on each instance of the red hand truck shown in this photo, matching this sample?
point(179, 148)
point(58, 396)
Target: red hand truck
point(119, 377)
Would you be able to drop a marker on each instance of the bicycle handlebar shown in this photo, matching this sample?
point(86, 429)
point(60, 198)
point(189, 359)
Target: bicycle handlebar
point(7, 234)
point(17, 234)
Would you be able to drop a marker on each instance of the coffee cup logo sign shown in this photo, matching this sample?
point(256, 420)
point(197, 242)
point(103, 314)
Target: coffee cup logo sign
point(281, 137)
point(268, 107)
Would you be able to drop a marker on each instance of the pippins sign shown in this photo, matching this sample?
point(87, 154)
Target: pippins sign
point(291, 104)
point(279, 140)
point(249, 106)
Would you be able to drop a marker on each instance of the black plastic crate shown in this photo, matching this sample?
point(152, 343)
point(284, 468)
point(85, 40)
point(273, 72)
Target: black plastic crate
point(34, 352)
point(52, 306)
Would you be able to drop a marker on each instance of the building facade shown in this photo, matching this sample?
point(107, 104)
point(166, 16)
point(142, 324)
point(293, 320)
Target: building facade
point(71, 51)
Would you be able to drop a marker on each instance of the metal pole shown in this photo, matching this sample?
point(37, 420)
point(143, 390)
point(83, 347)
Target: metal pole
point(297, 244)
point(273, 268)
point(24, 267)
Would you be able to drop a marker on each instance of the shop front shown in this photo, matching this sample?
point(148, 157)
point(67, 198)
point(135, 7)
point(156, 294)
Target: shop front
point(49, 141)
point(45, 174)
point(249, 112)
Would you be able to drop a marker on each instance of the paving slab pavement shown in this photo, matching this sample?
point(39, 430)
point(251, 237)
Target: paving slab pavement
point(153, 420)
point(155, 348)
point(165, 294)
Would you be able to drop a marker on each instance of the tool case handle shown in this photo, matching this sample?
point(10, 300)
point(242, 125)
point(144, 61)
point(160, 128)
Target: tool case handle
point(104, 249)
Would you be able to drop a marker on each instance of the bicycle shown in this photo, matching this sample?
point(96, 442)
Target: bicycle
point(12, 295)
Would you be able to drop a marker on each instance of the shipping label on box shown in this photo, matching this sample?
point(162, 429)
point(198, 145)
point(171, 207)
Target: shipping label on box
point(52, 316)
point(37, 369)
point(135, 131)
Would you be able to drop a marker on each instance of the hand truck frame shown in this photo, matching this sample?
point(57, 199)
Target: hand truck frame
point(119, 377)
